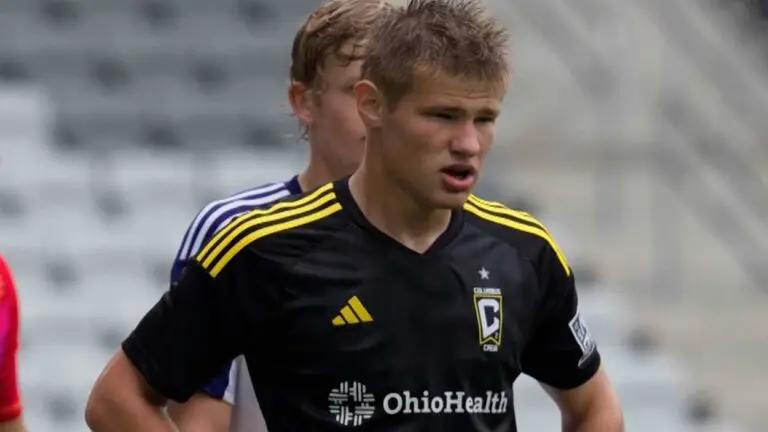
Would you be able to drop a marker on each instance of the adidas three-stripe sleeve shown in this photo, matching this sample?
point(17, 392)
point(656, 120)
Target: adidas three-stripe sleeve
point(213, 217)
point(224, 300)
point(561, 351)
point(195, 329)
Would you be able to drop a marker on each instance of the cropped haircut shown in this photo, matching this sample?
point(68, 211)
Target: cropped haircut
point(326, 32)
point(430, 37)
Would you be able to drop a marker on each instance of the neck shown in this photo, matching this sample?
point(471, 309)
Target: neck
point(316, 174)
point(395, 212)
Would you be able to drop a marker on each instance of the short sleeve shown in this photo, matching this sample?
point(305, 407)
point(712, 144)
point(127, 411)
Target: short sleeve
point(222, 386)
point(561, 351)
point(194, 331)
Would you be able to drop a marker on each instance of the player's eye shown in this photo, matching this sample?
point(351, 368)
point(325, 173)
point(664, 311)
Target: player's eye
point(442, 116)
point(485, 120)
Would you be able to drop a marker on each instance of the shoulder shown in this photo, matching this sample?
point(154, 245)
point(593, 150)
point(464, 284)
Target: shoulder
point(217, 213)
point(286, 228)
point(243, 201)
point(514, 227)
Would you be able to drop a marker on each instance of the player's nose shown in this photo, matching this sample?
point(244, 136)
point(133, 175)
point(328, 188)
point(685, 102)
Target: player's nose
point(466, 141)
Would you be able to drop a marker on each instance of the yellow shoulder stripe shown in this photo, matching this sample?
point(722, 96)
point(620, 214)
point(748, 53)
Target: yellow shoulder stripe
point(498, 207)
point(271, 229)
point(236, 223)
point(263, 222)
point(504, 216)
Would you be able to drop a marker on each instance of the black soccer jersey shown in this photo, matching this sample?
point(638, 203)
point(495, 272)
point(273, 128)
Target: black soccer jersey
point(343, 327)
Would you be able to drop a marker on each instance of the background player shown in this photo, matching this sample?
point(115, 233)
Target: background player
point(325, 65)
point(10, 401)
point(429, 118)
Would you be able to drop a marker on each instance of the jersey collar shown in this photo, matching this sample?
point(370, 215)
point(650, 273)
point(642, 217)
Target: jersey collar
point(341, 187)
point(293, 185)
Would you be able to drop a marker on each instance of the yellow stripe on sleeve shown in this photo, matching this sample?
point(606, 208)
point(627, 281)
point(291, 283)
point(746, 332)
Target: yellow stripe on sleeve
point(255, 222)
point(538, 230)
point(254, 214)
point(231, 250)
point(493, 206)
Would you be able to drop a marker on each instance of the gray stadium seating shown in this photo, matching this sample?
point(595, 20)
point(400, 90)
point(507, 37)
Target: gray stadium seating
point(152, 104)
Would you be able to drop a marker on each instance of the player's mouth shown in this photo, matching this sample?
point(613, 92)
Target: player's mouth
point(458, 177)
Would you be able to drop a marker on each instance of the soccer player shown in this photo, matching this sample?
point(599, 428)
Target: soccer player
point(10, 402)
point(325, 65)
point(389, 300)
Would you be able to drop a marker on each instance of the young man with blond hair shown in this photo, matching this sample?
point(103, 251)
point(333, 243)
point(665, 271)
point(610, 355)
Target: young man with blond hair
point(393, 299)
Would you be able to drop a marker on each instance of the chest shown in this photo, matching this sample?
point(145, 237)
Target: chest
point(391, 317)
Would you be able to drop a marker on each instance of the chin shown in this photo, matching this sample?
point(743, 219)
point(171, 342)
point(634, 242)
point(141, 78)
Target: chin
point(451, 201)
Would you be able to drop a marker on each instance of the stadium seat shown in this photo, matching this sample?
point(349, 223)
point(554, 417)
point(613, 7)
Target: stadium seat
point(161, 134)
point(157, 13)
point(102, 132)
point(255, 13)
point(105, 305)
point(211, 132)
point(152, 175)
point(29, 273)
point(13, 26)
point(61, 274)
point(109, 73)
point(11, 205)
point(65, 136)
point(260, 134)
point(209, 76)
point(61, 382)
point(111, 205)
point(13, 69)
point(59, 12)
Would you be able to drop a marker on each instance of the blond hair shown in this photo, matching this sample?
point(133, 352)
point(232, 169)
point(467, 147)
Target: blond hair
point(453, 37)
point(326, 32)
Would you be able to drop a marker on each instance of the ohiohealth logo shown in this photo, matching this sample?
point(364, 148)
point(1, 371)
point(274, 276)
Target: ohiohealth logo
point(351, 403)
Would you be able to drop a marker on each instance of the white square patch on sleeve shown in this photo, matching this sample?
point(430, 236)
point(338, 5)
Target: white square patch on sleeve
point(582, 336)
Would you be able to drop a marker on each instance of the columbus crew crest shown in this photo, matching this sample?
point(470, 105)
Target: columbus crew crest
point(488, 308)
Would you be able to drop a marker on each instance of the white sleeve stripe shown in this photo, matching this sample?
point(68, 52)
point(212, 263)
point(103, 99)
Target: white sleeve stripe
point(208, 220)
point(183, 251)
point(212, 211)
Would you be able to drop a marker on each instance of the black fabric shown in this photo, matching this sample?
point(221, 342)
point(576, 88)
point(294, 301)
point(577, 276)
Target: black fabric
point(343, 328)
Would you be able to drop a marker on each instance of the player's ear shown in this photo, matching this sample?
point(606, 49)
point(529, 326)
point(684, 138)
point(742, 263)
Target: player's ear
point(370, 103)
point(302, 102)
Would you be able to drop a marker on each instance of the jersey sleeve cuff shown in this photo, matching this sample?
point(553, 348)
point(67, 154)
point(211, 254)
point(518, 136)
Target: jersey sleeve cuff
point(148, 368)
point(577, 377)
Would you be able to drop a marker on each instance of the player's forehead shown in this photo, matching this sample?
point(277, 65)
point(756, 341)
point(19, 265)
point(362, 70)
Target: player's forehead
point(343, 63)
point(451, 91)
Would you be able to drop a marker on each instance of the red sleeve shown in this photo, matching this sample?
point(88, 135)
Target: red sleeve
point(10, 402)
